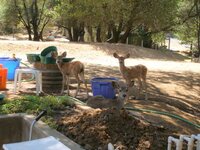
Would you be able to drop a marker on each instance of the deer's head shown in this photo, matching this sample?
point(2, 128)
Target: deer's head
point(121, 89)
point(58, 57)
point(121, 58)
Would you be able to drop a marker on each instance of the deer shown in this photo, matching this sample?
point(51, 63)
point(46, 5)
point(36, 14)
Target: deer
point(131, 73)
point(118, 103)
point(74, 68)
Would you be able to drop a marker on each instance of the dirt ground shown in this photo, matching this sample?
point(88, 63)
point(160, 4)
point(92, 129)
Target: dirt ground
point(173, 87)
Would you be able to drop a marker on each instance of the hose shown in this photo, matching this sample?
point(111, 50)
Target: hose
point(76, 100)
point(164, 113)
point(25, 64)
point(151, 111)
point(32, 75)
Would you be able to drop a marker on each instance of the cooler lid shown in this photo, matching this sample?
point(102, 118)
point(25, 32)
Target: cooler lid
point(48, 143)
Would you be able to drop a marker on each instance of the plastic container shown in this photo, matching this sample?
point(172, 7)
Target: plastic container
point(4, 57)
point(2, 96)
point(103, 86)
point(46, 55)
point(47, 51)
point(67, 59)
point(33, 58)
point(47, 60)
point(11, 65)
point(3, 78)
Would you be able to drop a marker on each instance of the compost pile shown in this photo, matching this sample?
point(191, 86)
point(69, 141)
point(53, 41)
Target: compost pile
point(94, 129)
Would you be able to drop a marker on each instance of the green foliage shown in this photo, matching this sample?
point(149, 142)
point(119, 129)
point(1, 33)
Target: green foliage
point(189, 30)
point(158, 37)
point(159, 14)
point(34, 105)
point(50, 121)
point(116, 16)
point(187, 33)
point(8, 16)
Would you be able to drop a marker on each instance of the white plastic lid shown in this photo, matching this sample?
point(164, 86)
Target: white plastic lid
point(48, 143)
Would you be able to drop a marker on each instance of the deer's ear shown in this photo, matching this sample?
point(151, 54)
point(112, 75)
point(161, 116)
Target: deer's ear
point(54, 54)
point(127, 55)
point(132, 83)
point(64, 54)
point(115, 84)
point(115, 55)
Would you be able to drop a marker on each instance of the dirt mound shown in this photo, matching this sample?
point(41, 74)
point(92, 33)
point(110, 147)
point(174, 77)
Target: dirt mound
point(94, 129)
point(139, 52)
point(88, 50)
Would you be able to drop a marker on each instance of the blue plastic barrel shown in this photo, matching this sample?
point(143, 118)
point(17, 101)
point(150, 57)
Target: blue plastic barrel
point(103, 86)
point(11, 65)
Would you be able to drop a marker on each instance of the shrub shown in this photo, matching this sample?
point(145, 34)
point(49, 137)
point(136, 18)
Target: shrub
point(34, 105)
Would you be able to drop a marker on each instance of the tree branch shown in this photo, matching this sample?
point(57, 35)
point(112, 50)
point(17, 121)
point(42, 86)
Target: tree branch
point(41, 12)
point(20, 14)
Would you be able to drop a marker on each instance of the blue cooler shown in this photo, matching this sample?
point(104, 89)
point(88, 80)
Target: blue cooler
point(103, 86)
point(11, 65)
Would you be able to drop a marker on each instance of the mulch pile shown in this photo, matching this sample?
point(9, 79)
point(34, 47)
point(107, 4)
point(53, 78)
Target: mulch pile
point(94, 129)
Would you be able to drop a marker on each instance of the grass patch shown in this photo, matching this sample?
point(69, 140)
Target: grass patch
point(35, 104)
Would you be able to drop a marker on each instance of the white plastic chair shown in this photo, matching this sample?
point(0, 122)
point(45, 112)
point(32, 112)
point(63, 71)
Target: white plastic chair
point(35, 72)
point(190, 140)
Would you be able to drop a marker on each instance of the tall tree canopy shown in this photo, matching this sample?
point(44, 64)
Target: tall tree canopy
point(189, 29)
point(34, 15)
point(115, 19)
point(112, 21)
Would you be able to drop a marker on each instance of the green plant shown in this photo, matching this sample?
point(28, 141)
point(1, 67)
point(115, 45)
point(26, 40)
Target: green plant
point(50, 122)
point(34, 105)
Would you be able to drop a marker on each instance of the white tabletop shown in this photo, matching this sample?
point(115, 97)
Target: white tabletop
point(48, 143)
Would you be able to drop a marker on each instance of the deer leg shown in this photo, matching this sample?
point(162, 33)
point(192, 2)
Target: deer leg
point(84, 81)
point(129, 89)
point(145, 88)
point(68, 83)
point(63, 83)
point(86, 87)
point(140, 87)
point(131, 86)
point(78, 86)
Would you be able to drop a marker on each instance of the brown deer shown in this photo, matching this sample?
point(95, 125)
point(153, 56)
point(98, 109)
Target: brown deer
point(74, 68)
point(118, 103)
point(138, 72)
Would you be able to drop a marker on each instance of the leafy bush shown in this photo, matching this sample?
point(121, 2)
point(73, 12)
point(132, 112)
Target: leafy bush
point(34, 105)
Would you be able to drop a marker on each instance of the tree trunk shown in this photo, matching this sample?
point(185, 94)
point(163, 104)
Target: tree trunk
point(29, 33)
point(125, 35)
point(198, 39)
point(36, 36)
point(75, 34)
point(34, 21)
point(196, 3)
point(32, 18)
point(147, 41)
point(89, 28)
point(41, 35)
point(64, 32)
point(115, 32)
point(198, 35)
point(70, 34)
point(109, 34)
point(98, 34)
point(81, 32)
